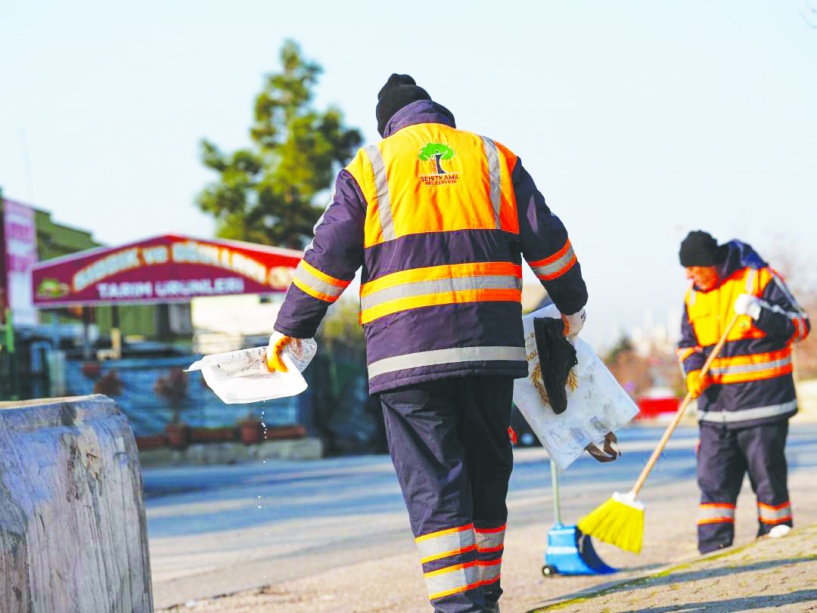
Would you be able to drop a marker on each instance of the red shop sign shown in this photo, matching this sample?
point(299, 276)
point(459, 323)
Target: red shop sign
point(167, 268)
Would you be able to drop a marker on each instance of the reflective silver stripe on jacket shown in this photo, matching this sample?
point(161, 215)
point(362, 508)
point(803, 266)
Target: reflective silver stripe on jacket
point(495, 177)
point(439, 286)
point(445, 356)
point(444, 544)
point(750, 281)
point(773, 514)
point(556, 266)
point(451, 580)
point(307, 278)
point(712, 513)
point(383, 198)
point(744, 368)
point(723, 417)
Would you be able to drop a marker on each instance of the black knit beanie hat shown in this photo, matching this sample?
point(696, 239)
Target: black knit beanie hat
point(399, 91)
point(699, 248)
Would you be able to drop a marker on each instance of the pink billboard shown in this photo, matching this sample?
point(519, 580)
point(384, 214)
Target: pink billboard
point(167, 268)
point(19, 249)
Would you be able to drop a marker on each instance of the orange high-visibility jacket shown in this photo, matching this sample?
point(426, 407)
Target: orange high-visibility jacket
point(751, 379)
point(439, 219)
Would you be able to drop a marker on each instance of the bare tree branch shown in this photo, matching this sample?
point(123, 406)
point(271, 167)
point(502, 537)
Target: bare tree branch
point(810, 17)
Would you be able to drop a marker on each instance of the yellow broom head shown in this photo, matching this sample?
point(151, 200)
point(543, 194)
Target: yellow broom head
point(619, 521)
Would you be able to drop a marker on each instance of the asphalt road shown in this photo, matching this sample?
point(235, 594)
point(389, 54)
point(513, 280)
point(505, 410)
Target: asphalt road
point(216, 530)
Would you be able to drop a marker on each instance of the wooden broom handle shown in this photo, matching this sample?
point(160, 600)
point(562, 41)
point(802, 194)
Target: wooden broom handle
point(680, 413)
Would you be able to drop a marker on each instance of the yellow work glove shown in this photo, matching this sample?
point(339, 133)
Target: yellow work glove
point(277, 343)
point(696, 384)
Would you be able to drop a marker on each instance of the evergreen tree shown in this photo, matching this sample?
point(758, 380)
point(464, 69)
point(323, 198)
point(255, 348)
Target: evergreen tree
point(266, 193)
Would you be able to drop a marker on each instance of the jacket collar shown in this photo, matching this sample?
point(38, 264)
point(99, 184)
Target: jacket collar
point(421, 111)
point(739, 255)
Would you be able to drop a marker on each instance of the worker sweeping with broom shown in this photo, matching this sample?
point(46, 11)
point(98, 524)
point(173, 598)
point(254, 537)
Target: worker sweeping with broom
point(740, 321)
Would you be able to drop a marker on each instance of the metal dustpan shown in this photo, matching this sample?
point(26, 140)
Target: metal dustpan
point(569, 551)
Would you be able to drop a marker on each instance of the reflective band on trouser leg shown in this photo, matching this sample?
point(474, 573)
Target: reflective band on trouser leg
point(495, 177)
point(383, 197)
point(771, 515)
point(716, 513)
point(556, 265)
point(449, 559)
point(318, 284)
point(490, 546)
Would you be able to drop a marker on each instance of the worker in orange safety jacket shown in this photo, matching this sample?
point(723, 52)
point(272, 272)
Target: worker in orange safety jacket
point(747, 397)
point(439, 219)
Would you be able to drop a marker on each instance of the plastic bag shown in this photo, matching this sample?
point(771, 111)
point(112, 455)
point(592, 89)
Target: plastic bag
point(242, 376)
point(596, 403)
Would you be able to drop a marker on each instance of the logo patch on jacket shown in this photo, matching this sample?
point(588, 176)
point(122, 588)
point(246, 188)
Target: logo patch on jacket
point(436, 153)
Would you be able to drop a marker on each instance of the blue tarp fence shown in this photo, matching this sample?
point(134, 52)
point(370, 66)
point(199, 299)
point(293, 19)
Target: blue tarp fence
point(152, 391)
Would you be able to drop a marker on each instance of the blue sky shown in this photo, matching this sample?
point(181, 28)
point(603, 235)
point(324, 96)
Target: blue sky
point(639, 120)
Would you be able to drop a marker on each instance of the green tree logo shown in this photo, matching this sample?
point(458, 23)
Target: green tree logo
point(438, 151)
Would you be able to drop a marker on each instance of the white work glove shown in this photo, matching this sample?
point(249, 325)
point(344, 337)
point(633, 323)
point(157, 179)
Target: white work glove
point(277, 343)
point(746, 304)
point(574, 323)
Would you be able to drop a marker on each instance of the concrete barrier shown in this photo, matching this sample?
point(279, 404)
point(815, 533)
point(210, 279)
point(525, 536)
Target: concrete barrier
point(308, 448)
point(73, 535)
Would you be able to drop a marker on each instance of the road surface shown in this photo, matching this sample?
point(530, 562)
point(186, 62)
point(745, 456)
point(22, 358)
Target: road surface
point(218, 530)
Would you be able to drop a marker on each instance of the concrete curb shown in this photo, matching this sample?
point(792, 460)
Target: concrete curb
point(309, 448)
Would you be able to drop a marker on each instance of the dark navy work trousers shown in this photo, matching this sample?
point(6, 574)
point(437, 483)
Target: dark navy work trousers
point(725, 456)
point(449, 443)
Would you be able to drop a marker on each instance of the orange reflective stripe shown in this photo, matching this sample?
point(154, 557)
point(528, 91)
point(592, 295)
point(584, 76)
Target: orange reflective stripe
point(555, 265)
point(323, 276)
point(716, 513)
point(315, 294)
point(318, 284)
point(452, 580)
point(684, 352)
point(489, 571)
point(770, 507)
point(755, 358)
point(490, 540)
point(777, 514)
point(740, 369)
point(415, 302)
point(442, 533)
point(447, 554)
point(718, 520)
point(448, 271)
point(445, 543)
point(758, 375)
point(449, 569)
